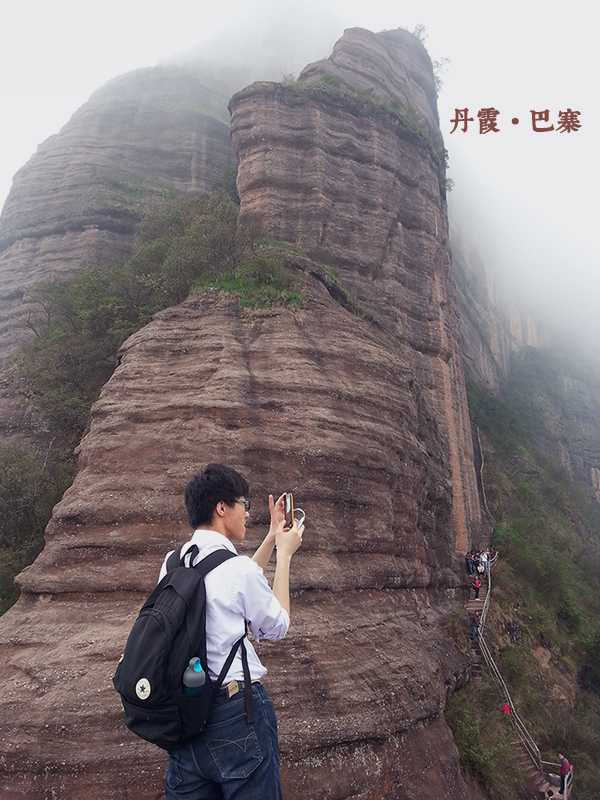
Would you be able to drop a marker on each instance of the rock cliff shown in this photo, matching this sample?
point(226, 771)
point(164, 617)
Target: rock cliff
point(315, 400)
point(78, 199)
point(355, 401)
point(490, 330)
point(509, 352)
point(354, 174)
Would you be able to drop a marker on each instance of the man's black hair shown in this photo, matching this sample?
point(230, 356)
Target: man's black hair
point(214, 483)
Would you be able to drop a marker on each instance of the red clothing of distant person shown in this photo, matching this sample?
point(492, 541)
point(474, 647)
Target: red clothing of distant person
point(565, 767)
point(506, 710)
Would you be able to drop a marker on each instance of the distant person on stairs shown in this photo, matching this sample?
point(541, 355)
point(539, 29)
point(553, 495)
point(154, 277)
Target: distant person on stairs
point(476, 586)
point(474, 627)
point(565, 769)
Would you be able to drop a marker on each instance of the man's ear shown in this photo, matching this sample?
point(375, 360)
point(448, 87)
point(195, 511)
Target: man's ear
point(220, 508)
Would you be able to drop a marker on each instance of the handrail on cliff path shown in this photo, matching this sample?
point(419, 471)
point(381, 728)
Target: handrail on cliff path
point(526, 739)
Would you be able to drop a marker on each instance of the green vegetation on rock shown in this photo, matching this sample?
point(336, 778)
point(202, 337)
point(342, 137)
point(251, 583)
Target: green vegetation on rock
point(543, 627)
point(31, 483)
point(78, 326)
point(259, 281)
point(483, 742)
point(365, 101)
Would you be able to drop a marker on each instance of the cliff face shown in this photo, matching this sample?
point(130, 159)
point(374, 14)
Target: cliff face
point(315, 400)
point(357, 180)
point(355, 401)
point(509, 353)
point(78, 199)
point(491, 331)
point(564, 407)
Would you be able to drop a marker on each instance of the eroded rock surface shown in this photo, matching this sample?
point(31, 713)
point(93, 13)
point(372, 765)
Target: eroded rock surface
point(506, 350)
point(315, 400)
point(355, 401)
point(358, 187)
point(78, 199)
point(492, 329)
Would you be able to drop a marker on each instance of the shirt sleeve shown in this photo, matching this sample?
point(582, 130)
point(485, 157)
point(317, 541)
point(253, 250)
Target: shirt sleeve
point(265, 614)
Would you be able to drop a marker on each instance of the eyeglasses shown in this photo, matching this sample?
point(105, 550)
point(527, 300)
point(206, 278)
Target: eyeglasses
point(245, 503)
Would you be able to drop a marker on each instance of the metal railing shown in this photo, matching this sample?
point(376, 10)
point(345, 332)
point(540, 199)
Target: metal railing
point(525, 737)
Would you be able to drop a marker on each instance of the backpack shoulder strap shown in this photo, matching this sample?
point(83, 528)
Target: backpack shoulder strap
point(206, 565)
point(174, 559)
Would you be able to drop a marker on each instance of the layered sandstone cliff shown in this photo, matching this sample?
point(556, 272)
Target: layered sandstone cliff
point(356, 178)
point(508, 352)
point(355, 401)
point(316, 400)
point(491, 328)
point(78, 199)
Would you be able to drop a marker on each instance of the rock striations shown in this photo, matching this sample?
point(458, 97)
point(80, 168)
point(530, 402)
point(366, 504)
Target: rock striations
point(77, 200)
point(355, 400)
point(504, 348)
point(356, 178)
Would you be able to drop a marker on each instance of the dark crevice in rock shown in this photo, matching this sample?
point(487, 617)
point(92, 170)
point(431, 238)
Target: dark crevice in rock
point(125, 224)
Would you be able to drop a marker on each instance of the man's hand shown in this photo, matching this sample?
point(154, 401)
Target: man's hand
point(277, 512)
point(264, 552)
point(287, 542)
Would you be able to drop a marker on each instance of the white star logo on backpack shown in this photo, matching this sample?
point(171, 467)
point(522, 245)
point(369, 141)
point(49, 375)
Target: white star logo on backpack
point(142, 688)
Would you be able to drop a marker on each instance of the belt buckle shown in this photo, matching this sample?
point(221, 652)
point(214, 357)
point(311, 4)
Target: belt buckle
point(233, 688)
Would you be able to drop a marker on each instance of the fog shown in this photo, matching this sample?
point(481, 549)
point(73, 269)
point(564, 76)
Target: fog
point(524, 200)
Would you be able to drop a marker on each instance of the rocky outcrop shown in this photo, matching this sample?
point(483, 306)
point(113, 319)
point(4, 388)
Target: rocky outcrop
point(355, 400)
point(392, 67)
point(563, 406)
point(78, 199)
point(492, 329)
point(507, 351)
point(356, 179)
point(316, 400)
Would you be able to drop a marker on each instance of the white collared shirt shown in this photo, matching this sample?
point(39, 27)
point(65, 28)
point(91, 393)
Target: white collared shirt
point(236, 591)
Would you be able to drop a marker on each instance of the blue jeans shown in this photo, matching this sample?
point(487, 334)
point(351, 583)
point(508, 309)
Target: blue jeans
point(230, 760)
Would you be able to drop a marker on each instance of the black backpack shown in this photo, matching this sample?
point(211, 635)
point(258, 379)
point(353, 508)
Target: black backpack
point(169, 631)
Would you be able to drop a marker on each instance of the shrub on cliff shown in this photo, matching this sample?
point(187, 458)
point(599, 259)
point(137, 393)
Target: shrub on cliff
point(78, 326)
point(259, 281)
point(483, 746)
point(589, 675)
point(546, 580)
point(80, 323)
point(475, 758)
point(30, 485)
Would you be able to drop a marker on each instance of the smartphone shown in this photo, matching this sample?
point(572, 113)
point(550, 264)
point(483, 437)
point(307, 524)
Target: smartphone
point(288, 507)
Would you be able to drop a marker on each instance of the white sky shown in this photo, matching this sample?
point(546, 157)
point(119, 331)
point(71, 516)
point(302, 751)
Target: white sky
point(529, 200)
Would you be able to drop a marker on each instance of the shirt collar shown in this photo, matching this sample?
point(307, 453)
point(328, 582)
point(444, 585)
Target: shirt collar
point(203, 538)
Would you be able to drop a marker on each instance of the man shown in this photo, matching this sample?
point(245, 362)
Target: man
point(565, 769)
point(234, 757)
point(476, 586)
point(469, 563)
point(474, 627)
